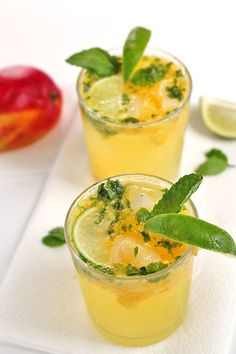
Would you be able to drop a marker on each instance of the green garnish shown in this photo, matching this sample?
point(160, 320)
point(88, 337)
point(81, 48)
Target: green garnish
point(175, 92)
point(164, 190)
point(174, 199)
point(111, 190)
point(142, 214)
point(135, 251)
point(95, 59)
point(155, 267)
point(149, 75)
point(133, 49)
point(215, 163)
point(125, 98)
point(146, 236)
point(149, 269)
point(131, 270)
point(54, 238)
point(187, 229)
point(130, 120)
point(100, 267)
point(101, 216)
point(118, 205)
point(166, 221)
point(114, 221)
point(168, 245)
point(178, 73)
point(86, 86)
point(124, 227)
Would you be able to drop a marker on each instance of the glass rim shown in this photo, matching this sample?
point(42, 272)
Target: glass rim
point(168, 116)
point(112, 276)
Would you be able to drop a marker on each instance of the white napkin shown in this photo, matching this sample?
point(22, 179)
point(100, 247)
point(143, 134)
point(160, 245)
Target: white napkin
point(39, 156)
point(41, 305)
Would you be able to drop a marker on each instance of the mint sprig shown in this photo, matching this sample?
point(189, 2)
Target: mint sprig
point(187, 229)
point(215, 163)
point(179, 193)
point(165, 220)
point(54, 238)
point(95, 59)
point(133, 49)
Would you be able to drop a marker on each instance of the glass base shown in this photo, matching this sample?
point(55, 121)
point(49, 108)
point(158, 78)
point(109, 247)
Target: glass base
point(138, 342)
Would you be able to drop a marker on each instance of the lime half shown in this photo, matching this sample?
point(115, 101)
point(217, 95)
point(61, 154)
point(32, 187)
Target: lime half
point(219, 116)
point(90, 238)
point(106, 97)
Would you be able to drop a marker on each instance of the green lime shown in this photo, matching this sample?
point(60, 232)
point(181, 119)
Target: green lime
point(91, 238)
point(106, 97)
point(219, 116)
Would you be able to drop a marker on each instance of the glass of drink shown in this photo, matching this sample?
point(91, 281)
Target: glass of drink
point(141, 279)
point(136, 127)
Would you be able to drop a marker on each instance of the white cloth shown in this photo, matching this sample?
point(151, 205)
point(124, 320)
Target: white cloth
point(41, 305)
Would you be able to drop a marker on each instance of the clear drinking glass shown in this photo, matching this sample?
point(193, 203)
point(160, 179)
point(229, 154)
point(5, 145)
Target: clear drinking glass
point(134, 310)
point(144, 147)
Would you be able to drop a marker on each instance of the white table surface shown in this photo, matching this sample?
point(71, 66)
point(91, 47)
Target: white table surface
point(43, 33)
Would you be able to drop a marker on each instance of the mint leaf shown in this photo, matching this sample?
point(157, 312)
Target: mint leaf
point(54, 238)
point(175, 92)
point(149, 269)
point(101, 216)
point(179, 73)
point(51, 241)
point(215, 163)
point(217, 153)
point(193, 231)
point(168, 245)
point(212, 166)
point(135, 251)
point(150, 75)
point(130, 120)
point(174, 199)
point(142, 214)
point(146, 236)
point(97, 60)
point(111, 190)
point(125, 99)
point(155, 267)
point(131, 270)
point(133, 49)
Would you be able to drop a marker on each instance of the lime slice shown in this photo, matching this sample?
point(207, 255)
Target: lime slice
point(91, 238)
point(106, 97)
point(219, 116)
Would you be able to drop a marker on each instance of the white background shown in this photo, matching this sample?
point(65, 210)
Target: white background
point(43, 33)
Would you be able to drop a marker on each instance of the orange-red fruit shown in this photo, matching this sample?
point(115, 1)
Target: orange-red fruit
point(30, 105)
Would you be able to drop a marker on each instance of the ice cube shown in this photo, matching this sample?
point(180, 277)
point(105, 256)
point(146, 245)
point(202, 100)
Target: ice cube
point(167, 103)
point(142, 196)
point(123, 252)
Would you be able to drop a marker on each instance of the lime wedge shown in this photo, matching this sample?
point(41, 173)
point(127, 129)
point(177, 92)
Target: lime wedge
point(90, 238)
point(106, 97)
point(219, 116)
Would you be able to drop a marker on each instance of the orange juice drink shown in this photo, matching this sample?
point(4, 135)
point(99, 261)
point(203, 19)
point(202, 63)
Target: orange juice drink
point(136, 127)
point(135, 284)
